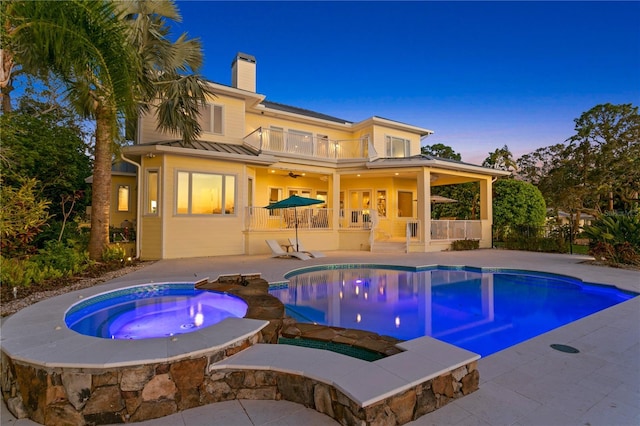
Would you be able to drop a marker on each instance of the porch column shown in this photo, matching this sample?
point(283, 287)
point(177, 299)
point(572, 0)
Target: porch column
point(334, 184)
point(486, 211)
point(424, 206)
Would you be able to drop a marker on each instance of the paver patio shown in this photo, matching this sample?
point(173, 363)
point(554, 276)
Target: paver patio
point(527, 384)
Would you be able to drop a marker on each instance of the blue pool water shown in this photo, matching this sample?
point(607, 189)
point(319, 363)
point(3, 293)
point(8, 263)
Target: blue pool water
point(483, 312)
point(153, 310)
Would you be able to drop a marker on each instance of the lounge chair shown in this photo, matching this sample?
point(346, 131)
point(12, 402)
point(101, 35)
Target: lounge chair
point(278, 251)
point(300, 248)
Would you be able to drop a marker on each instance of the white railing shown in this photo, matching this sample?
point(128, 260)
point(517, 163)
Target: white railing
point(307, 145)
point(260, 218)
point(413, 230)
point(356, 219)
point(456, 229)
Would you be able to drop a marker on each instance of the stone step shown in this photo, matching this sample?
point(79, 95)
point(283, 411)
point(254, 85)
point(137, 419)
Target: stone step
point(389, 247)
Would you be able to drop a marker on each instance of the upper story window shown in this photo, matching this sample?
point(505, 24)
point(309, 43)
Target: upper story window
point(205, 193)
point(211, 119)
point(397, 147)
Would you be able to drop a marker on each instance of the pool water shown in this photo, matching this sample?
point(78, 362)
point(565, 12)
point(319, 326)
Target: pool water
point(483, 312)
point(153, 310)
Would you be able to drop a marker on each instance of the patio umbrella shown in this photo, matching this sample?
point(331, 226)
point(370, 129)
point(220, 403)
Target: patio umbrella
point(294, 201)
point(441, 199)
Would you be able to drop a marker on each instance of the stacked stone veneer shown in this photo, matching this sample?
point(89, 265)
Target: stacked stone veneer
point(82, 396)
point(326, 398)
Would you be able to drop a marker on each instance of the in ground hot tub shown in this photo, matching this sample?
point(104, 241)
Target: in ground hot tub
point(152, 310)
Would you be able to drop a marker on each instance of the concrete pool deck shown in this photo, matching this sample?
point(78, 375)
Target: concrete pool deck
point(529, 383)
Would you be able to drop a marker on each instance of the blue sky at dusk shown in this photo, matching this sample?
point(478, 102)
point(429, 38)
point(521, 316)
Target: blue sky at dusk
point(479, 74)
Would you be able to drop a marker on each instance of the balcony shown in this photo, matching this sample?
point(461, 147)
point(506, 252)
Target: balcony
point(306, 145)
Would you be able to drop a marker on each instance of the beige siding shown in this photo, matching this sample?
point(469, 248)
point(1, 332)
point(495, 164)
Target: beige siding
point(233, 125)
point(379, 139)
point(116, 217)
point(255, 121)
point(151, 238)
point(194, 236)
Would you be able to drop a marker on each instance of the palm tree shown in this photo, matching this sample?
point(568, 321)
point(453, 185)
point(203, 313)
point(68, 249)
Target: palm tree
point(116, 61)
point(500, 159)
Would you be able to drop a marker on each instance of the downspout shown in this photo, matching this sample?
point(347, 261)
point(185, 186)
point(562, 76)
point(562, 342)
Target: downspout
point(138, 205)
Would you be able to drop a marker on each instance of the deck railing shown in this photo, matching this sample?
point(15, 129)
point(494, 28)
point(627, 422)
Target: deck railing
point(260, 218)
point(456, 229)
point(308, 145)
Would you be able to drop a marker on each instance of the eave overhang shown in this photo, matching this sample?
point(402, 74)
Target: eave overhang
point(421, 161)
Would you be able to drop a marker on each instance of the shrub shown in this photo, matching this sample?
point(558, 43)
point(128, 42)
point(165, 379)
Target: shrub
point(114, 253)
point(615, 238)
point(465, 245)
point(59, 257)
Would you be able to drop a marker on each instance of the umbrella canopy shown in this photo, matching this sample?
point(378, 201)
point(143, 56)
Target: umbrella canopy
point(294, 201)
point(441, 199)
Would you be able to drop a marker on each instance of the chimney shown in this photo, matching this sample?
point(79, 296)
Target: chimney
point(243, 72)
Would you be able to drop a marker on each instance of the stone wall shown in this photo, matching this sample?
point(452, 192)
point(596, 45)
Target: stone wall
point(324, 398)
point(63, 396)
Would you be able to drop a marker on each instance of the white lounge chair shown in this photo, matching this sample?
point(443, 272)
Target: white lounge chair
point(297, 245)
point(278, 251)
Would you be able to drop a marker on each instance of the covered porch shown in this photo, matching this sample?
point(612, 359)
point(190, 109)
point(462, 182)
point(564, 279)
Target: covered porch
point(364, 209)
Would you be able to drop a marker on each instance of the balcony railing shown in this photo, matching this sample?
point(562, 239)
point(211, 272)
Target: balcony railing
point(456, 229)
point(305, 144)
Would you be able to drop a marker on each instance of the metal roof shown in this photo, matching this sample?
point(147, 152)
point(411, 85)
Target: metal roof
point(302, 111)
point(227, 148)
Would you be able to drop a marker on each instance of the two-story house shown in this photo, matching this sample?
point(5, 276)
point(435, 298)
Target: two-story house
point(209, 198)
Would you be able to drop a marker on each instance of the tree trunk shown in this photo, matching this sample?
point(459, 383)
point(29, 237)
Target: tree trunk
point(101, 189)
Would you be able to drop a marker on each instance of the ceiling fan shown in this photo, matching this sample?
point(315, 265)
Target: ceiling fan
point(294, 175)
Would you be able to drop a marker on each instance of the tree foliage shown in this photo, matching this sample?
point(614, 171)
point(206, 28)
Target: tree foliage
point(43, 142)
point(600, 162)
point(441, 151)
point(22, 217)
point(115, 60)
point(500, 159)
point(517, 203)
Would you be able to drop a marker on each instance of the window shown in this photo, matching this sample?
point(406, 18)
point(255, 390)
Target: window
point(151, 202)
point(397, 147)
point(323, 146)
point(123, 198)
point(205, 193)
point(211, 119)
point(382, 203)
point(300, 142)
point(275, 195)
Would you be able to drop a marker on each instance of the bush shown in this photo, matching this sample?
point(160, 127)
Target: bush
point(59, 257)
point(114, 253)
point(615, 238)
point(465, 245)
point(54, 261)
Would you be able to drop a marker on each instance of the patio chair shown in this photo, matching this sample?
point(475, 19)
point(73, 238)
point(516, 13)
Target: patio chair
point(278, 251)
point(296, 243)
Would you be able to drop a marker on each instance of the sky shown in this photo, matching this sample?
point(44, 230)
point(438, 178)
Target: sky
point(481, 75)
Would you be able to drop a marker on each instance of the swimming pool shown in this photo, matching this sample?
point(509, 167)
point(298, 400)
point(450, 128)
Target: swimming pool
point(479, 310)
point(152, 310)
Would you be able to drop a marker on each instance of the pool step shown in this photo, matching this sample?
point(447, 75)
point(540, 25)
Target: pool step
point(389, 247)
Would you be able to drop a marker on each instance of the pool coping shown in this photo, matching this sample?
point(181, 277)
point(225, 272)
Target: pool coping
point(38, 335)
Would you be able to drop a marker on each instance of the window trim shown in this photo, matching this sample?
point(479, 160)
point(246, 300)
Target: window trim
point(147, 201)
point(388, 148)
point(211, 107)
point(128, 189)
point(222, 213)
